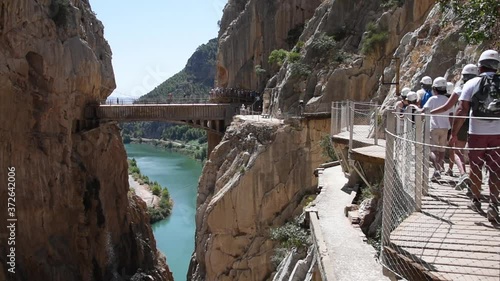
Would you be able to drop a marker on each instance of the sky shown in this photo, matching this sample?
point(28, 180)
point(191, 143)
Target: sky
point(152, 40)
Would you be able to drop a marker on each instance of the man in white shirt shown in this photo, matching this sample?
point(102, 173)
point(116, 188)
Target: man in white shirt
point(483, 133)
point(439, 126)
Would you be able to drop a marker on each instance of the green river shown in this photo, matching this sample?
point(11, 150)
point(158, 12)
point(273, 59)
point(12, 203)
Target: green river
point(175, 235)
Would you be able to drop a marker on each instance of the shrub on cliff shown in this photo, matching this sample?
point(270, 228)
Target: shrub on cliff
point(290, 236)
point(373, 38)
point(479, 17)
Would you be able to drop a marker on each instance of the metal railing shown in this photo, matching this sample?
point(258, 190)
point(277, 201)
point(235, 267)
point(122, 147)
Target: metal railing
point(360, 119)
point(429, 224)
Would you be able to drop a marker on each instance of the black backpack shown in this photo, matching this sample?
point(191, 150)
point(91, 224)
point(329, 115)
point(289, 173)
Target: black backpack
point(486, 101)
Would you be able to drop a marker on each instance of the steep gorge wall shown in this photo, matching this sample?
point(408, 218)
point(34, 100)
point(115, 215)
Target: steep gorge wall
point(255, 179)
point(347, 74)
point(250, 30)
point(75, 218)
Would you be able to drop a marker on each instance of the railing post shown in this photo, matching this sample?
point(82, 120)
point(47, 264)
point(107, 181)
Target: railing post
point(332, 119)
point(426, 154)
point(375, 133)
point(351, 125)
point(419, 165)
point(389, 171)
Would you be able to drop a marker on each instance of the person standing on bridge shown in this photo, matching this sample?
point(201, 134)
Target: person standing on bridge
point(480, 99)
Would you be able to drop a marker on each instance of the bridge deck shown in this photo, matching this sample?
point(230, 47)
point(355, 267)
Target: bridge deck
point(450, 241)
point(164, 112)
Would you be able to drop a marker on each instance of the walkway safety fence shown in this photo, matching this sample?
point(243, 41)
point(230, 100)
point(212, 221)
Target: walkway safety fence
point(159, 100)
point(360, 119)
point(431, 229)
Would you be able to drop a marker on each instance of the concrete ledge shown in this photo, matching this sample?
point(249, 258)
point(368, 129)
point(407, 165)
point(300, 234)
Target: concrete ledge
point(320, 247)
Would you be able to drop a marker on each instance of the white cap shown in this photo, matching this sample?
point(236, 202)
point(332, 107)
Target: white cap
point(470, 69)
point(405, 91)
point(439, 83)
point(489, 59)
point(411, 96)
point(449, 88)
point(426, 80)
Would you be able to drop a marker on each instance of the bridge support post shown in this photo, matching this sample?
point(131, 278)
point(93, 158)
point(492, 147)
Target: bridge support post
point(213, 140)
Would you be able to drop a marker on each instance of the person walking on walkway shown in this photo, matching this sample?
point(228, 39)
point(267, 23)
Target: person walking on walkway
point(457, 156)
point(425, 93)
point(481, 98)
point(439, 126)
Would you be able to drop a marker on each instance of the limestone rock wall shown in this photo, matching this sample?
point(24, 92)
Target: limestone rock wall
point(254, 180)
point(250, 30)
point(75, 220)
point(345, 74)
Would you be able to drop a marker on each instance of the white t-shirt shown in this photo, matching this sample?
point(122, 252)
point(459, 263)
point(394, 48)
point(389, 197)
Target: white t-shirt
point(438, 122)
point(476, 125)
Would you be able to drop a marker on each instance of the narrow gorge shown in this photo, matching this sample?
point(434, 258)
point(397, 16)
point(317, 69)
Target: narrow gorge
point(76, 218)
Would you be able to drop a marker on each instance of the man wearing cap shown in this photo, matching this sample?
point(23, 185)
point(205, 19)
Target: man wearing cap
point(425, 93)
point(483, 133)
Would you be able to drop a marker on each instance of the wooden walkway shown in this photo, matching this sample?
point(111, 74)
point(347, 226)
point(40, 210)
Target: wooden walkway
point(446, 240)
point(364, 149)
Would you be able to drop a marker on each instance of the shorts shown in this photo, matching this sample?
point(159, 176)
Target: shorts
point(439, 137)
point(491, 157)
point(462, 133)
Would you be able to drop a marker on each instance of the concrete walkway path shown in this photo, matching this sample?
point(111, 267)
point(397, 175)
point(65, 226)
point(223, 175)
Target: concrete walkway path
point(347, 257)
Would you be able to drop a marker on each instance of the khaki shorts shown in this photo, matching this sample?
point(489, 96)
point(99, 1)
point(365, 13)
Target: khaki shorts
point(439, 137)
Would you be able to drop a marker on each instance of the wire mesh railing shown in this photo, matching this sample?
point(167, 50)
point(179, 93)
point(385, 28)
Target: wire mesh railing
point(360, 119)
point(440, 215)
point(159, 100)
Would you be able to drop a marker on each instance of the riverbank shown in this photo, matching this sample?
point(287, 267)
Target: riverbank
point(157, 198)
point(144, 192)
point(192, 149)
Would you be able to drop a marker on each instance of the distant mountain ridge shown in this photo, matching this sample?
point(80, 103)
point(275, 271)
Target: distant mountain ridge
point(195, 80)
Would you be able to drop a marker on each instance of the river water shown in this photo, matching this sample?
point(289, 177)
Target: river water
point(175, 235)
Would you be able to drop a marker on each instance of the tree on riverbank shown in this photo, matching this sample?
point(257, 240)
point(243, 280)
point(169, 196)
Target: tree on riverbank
point(164, 208)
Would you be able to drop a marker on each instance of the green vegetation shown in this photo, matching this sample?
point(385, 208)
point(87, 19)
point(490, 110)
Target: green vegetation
point(278, 57)
point(289, 236)
point(299, 70)
point(294, 57)
point(374, 37)
point(323, 43)
point(164, 208)
point(180, 138)
point(259, 70)
point(194, 81)
point(327, 148)
point(479, 17)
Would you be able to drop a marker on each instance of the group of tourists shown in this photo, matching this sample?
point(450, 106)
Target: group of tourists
point(233, 95)
point(465, 113)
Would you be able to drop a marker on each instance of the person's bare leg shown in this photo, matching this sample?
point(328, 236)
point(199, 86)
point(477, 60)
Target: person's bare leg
point(459, 157)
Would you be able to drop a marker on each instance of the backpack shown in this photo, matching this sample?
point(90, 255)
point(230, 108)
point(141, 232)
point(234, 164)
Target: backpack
point(486, 101)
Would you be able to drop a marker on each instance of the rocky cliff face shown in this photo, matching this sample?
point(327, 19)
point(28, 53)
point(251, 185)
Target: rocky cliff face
point(344, 52)
point(250, 30)
point(75, 220)
point(255, 179)
point(334, 39)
